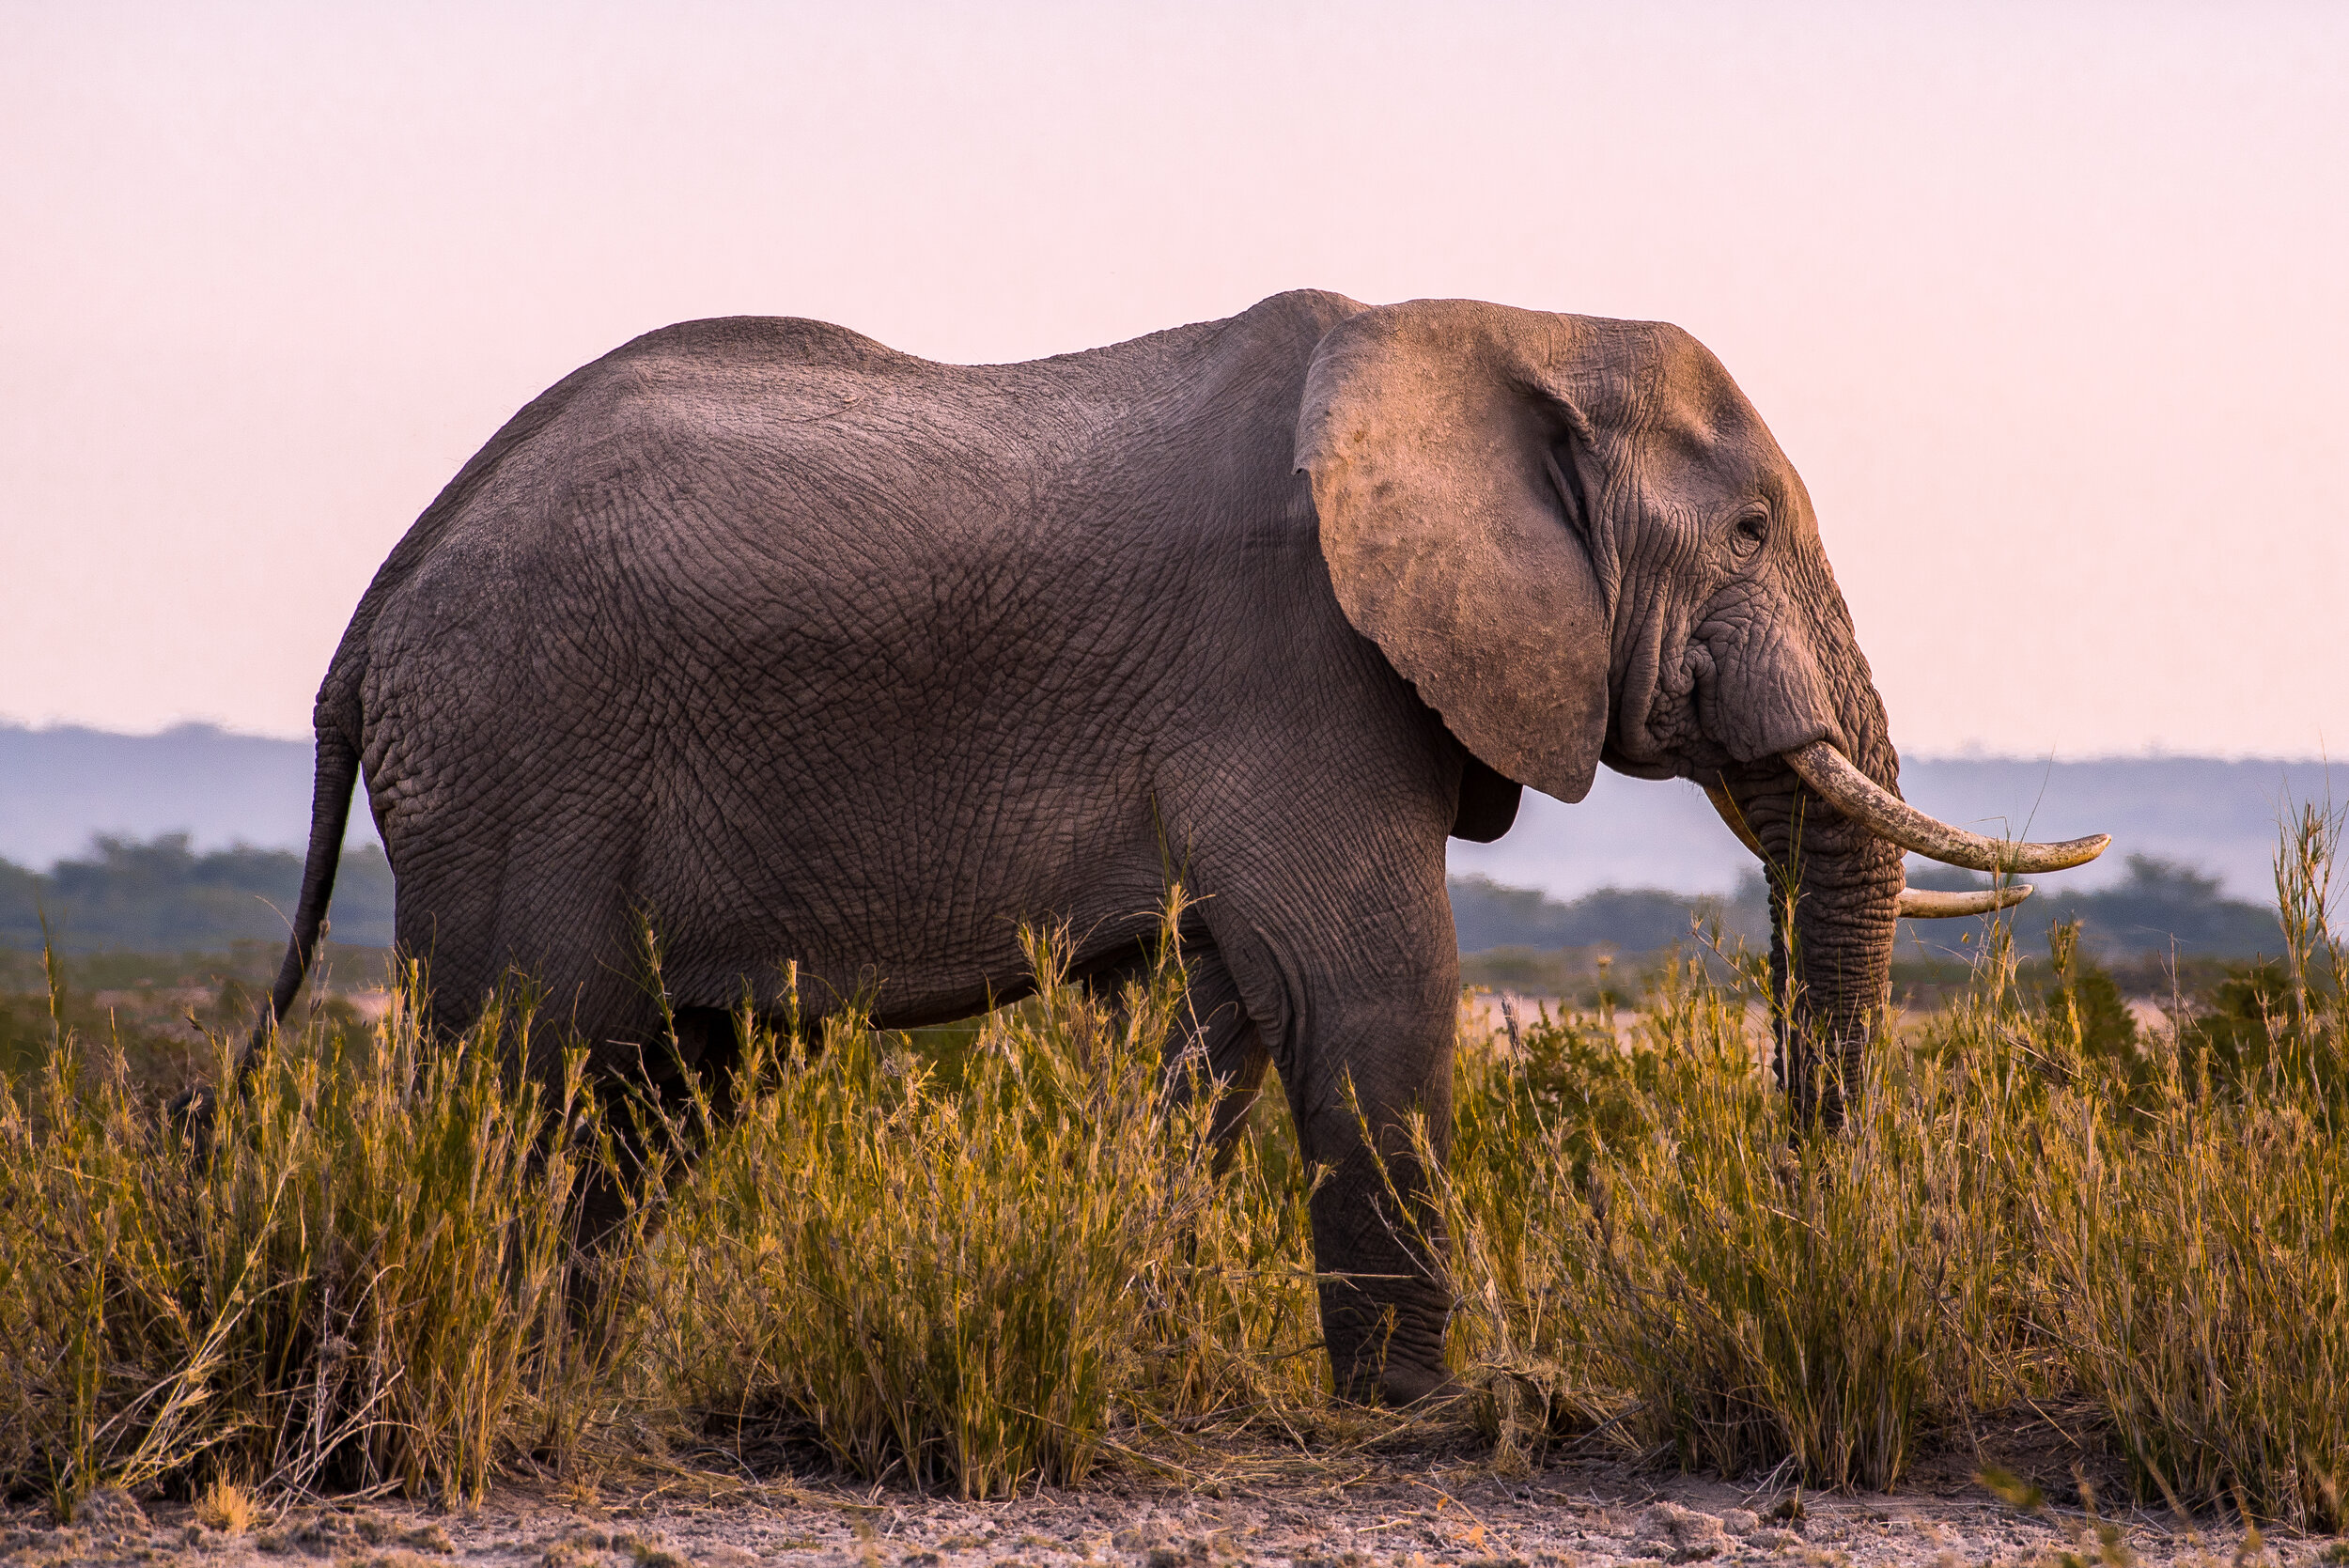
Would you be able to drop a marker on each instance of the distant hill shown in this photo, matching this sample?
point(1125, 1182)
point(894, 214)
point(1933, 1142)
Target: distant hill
point(59, 788)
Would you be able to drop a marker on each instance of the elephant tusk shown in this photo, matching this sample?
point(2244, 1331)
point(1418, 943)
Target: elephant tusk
point(1726, 804)
point(1916, 903)
point(1926, 904)
point(1886, 814)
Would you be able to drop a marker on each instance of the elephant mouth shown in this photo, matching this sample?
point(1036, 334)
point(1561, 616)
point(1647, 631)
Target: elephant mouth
point(1673, 726)
point(1861, 800)
point(1660, 733)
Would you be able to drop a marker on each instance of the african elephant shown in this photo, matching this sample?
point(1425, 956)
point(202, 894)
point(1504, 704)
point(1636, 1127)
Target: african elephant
point(813, 650)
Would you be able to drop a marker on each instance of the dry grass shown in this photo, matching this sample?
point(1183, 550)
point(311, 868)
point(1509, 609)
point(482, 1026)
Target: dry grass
point(357, 1281)
point(968, 1288)
point(1646, 1248)
point(2195, 1241)
point(226, 1506)
point(1666, 1256)
point(981, 1273)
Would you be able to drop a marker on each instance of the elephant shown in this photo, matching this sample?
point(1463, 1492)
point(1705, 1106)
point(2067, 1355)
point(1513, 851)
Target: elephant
point(810, 651)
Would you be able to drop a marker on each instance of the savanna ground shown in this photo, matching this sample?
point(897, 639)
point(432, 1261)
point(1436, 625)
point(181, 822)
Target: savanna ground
point(2063, 1289)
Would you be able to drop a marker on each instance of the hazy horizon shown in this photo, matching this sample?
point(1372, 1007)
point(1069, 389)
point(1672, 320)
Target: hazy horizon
point(2216, 815)
point(1961, 754)
point(2044, 304)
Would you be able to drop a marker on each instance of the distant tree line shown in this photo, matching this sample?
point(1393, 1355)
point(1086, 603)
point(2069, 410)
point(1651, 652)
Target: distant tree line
point(2161, 907)
point(1487, 914)
point(161, 897)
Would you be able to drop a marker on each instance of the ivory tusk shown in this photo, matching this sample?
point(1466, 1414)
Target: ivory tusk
point(1726, 804)
point(1886, 814)
point(1916, 903)
point(1926, 904)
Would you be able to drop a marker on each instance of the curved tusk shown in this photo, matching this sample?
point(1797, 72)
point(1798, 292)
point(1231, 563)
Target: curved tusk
point(1727, 805)
point(1926, 904)
point(1886, 814)
point(1916, 903)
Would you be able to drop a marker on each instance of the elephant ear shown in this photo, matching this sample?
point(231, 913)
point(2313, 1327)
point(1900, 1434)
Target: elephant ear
point(1443, 442)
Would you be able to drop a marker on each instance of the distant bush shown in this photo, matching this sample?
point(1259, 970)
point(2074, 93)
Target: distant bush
point(160, 1009)
point(2163, 909)
point(161, 897)
point(1487, 915)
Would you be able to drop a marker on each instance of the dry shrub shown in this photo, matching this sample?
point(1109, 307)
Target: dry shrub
point(2197, 1239)
point(968, 1288)
point(2017, 1206)
point(355, 1279)
point(1661, 1250)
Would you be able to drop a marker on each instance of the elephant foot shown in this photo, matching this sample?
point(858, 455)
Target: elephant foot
point(192, 1113)
point(1394, 1379)
point(1387, 1350)
point(1414, 1387)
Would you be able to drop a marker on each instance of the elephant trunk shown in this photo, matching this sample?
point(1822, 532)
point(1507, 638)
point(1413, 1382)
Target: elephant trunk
point(1815, 791)
point(1830, 829)
point(1835, 892)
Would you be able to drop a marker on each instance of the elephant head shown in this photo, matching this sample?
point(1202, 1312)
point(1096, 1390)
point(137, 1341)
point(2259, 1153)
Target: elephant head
point(1581, 543)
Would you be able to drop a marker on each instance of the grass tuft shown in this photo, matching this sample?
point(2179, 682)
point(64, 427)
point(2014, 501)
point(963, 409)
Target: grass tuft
point(1664, 1255)
point(356, 1281)
point(968, 1288)
point(227, 1507)
point(2196, 1243)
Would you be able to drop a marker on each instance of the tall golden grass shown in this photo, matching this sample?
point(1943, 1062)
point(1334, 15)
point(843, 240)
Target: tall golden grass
point(356, 1280)
point(970, 1286)
point(2193, 1237)
point(988, 1272)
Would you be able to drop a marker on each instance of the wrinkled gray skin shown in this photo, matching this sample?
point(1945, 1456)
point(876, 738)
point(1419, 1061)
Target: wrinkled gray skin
point(811, 650)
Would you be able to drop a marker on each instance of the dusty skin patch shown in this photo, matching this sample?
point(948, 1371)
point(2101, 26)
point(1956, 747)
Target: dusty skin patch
point(1402, 1510)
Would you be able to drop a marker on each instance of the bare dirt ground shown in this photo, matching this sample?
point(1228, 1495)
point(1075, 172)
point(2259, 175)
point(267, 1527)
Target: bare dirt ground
point(1397, 1510)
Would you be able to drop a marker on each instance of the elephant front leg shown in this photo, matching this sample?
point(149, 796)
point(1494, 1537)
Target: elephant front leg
point(1342, 948)
point(1378, 1244)
point(1360, 1063)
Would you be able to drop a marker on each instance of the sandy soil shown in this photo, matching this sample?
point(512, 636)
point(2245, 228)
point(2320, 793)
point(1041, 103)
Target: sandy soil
point(1399, 1511)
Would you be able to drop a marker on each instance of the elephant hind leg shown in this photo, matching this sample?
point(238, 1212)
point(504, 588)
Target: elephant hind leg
point(1213, 1021)
point(707, 1055)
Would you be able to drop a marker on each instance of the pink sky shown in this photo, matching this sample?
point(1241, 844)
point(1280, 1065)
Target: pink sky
point(2047, 304)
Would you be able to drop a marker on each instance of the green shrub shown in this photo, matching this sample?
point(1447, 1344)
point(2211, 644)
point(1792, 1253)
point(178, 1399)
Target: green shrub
point(2087, 1015)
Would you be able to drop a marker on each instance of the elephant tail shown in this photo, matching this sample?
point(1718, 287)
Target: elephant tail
point(330, 813)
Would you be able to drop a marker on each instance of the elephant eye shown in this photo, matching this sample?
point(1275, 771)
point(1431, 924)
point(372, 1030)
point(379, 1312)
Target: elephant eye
point(1752, 529)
